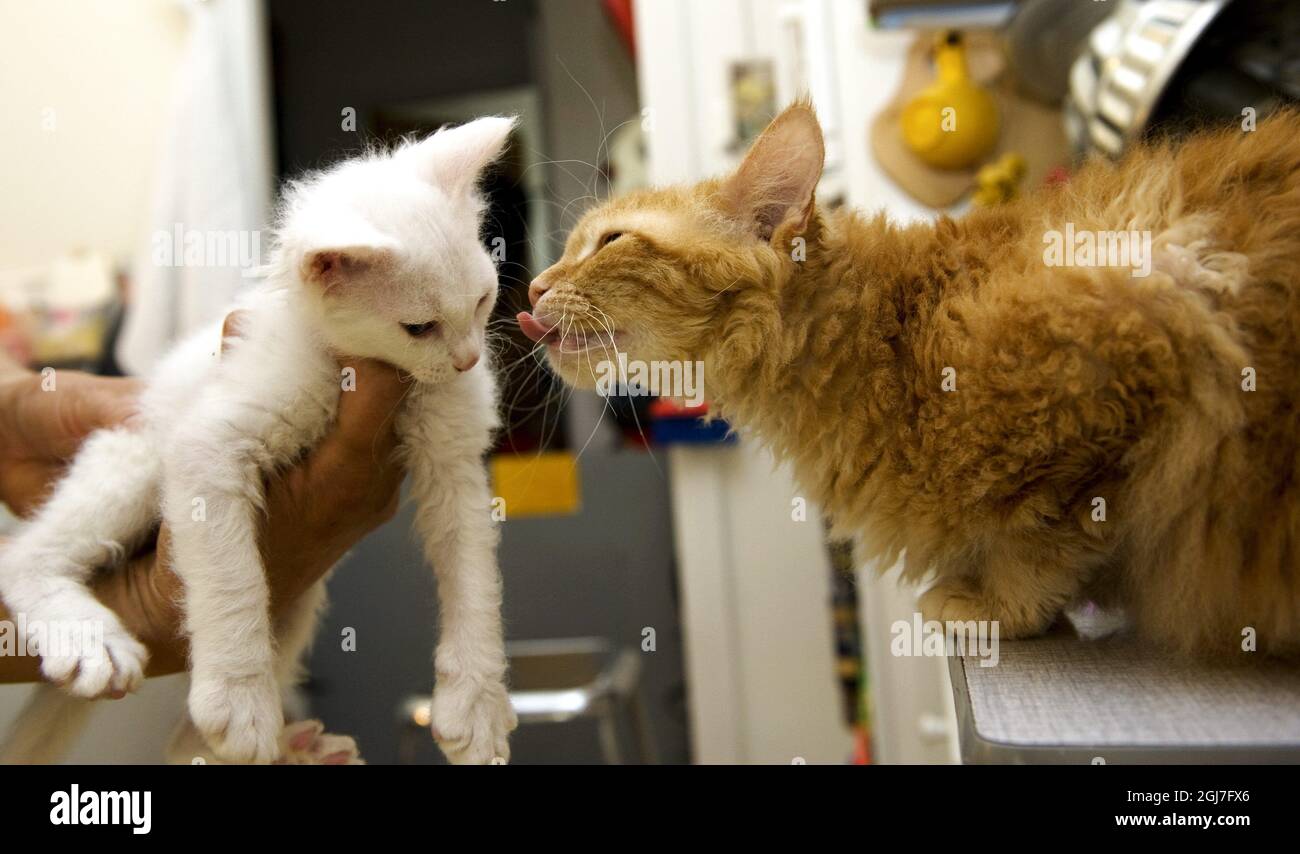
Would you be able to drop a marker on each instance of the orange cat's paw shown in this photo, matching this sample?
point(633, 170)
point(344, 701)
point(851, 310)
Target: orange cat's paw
point(961, 600)
point(956, 600)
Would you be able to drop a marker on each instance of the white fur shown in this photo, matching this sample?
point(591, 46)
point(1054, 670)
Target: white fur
point(388, 239)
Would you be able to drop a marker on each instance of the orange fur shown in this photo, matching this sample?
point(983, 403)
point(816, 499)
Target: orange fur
point(1072, 383)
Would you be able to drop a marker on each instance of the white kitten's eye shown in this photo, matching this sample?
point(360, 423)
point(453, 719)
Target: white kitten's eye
point(420, 330)
point(482, 301)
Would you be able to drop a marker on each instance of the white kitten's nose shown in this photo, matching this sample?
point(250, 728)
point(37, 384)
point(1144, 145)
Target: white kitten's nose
point(465, 360)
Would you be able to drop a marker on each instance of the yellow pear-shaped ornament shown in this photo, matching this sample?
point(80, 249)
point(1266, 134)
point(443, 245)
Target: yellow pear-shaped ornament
point(952, 123)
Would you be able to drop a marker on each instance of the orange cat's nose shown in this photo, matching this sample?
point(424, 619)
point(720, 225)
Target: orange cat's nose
point(538, 287)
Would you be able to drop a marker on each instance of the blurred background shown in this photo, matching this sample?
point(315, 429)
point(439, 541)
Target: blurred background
point(669, 596)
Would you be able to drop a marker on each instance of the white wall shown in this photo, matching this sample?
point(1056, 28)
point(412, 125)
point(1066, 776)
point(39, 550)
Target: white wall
point(101, 72)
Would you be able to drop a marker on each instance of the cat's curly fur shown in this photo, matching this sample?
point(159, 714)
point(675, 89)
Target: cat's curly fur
point(1067, 384)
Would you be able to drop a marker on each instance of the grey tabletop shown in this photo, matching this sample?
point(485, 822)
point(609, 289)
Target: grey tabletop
point(1074, 698)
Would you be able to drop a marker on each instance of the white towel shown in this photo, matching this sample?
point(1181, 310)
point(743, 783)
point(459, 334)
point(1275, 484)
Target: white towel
point(214, 177)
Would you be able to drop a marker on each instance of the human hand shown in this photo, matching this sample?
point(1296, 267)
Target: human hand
point(43, 421)
point(316, 511)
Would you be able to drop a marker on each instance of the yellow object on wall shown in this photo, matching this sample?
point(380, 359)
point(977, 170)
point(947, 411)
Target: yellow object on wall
point(535, 485)
point(953, 122)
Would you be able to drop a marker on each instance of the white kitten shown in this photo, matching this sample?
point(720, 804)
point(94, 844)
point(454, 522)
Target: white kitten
point(379, 257)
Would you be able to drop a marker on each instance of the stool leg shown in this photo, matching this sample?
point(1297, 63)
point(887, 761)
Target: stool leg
point(645, 740)
point(607, 727)
point(405, 746)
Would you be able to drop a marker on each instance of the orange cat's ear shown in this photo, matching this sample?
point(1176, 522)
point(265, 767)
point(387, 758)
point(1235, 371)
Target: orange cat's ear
point(775, 183)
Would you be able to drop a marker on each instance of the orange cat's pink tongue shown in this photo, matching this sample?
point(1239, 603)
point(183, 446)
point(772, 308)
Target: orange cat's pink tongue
point(534, 329)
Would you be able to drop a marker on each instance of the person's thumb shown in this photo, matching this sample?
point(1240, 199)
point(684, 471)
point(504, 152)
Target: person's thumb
point(370, 393)
point(57, 417)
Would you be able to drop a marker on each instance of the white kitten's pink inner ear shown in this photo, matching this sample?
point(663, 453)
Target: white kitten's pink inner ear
point(776, 182)
point(453, 158)
point(328, 268)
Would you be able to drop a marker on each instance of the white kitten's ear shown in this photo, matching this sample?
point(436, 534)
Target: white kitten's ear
point(342, 249)
point(453, 158)
point(330, 268)
point(775, 183)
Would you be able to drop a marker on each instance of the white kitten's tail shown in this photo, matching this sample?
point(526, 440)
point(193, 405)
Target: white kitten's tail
point(46, 728)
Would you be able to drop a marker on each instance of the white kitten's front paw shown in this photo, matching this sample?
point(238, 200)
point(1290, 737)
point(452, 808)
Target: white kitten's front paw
point(472, 719)
point(240, 718)
point(88, 666)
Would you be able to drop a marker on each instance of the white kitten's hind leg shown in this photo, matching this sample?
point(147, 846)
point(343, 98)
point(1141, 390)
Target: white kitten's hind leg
point(444, 442)
point(213, 494)
point(234, 700)
point(100, 511)
point(294, 632)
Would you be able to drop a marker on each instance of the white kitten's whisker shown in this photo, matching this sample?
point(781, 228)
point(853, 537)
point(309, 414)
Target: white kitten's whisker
point(511, 278)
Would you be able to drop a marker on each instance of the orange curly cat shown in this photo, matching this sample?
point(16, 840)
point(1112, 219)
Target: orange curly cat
point(1029, 433)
